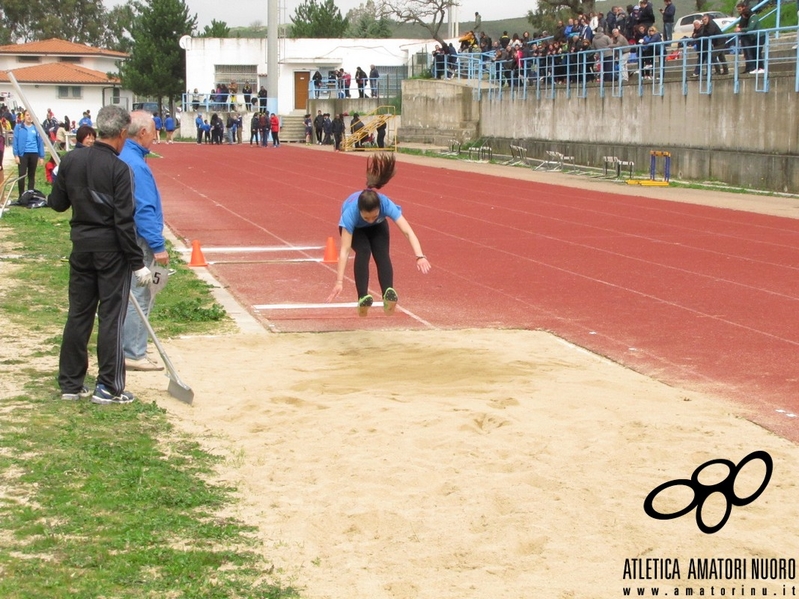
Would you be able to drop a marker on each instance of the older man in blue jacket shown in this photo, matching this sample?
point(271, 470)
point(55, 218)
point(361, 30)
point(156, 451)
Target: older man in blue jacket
point(149, 219)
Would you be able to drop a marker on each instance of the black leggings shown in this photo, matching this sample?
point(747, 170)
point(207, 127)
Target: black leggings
point(372, 241)
point(27, 166)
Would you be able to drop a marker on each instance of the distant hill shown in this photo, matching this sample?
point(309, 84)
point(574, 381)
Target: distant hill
point(518, 25)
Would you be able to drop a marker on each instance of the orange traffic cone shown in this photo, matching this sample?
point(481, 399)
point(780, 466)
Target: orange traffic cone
point(197, 258)
point(331, 256)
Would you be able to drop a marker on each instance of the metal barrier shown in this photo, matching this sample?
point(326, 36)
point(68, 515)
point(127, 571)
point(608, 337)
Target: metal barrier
point(643, 69)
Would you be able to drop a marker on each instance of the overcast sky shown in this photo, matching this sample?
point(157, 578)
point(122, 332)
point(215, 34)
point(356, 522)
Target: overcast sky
point(244, 12)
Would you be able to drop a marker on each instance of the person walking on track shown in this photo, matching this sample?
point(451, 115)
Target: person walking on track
point(364, 228)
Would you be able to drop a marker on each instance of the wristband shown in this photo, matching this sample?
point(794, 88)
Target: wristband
point(420, 258)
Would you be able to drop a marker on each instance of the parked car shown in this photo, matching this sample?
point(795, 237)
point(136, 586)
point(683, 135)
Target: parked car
point(684, 26)
point(148, 106)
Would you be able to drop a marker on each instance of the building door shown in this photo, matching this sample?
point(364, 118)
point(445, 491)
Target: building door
point(301, 81)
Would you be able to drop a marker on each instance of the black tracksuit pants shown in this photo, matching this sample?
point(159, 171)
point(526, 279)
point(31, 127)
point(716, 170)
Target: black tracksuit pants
point(99, 282)
point(367, 242)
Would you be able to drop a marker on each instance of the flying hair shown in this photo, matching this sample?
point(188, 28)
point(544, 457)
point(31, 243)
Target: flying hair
point(379, 170)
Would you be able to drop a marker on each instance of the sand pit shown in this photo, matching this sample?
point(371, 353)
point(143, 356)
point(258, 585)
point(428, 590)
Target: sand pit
point(476, 463)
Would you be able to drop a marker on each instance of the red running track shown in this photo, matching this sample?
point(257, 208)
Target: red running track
point(694, 296)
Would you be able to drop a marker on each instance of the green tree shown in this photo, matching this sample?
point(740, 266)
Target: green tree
point(546, 17)
point(367, 21)
point(157, 65)
point(80, 21)
point(312, 19)
point(216, 29)
point(117, 31)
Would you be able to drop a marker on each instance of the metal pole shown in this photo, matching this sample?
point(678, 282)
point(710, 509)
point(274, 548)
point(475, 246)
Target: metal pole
point(272, 69)
point(36, 122)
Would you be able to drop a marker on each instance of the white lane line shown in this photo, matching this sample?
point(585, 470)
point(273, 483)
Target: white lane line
point(275, 261)
point(324, 306)
point(348, 305)
point(244, 249)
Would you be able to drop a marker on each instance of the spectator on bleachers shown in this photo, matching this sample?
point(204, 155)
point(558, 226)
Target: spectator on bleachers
point(668, 12)
point(602, 44)
point(439, 62)
point(651, 50)
point(621, 52)
point(700, 43)
point(504, 39)
point(632, 25)
point(750, 40)
point(610, 19)
point(560, 32)
point(646, 14)
point(360, 81)
point(711, 29)
point(452, 61)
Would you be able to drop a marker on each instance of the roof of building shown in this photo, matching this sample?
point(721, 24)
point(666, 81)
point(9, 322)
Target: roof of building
point(59, 47)
point(55, 73)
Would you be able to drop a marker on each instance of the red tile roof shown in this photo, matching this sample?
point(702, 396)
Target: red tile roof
point(59, 47)
point(55, 73)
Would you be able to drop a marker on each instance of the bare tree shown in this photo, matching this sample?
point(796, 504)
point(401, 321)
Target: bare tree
point(430, 14)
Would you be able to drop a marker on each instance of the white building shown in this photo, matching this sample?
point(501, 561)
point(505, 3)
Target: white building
point(65, 77)
point(211, 61)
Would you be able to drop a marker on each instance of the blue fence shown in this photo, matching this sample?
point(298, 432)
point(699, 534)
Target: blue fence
point(638, 69)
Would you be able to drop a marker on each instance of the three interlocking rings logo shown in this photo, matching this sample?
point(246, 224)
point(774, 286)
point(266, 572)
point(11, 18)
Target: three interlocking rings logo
point(701, 491)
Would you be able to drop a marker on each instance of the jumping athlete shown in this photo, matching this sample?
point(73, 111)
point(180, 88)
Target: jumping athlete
point(364, 228)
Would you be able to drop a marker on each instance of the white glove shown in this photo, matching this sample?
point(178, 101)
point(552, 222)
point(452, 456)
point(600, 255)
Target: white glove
point(143, 276)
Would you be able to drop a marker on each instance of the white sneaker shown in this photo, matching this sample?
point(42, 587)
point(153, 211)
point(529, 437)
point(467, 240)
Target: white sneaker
point(758, 71)
point(145, 364)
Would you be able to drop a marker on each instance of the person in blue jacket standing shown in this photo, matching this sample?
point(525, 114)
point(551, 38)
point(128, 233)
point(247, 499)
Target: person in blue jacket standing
point(149, 220)
point(159, 124)
point(169, 126)
point(28, 150)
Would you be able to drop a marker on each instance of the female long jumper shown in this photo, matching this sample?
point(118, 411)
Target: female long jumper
point(364, 228)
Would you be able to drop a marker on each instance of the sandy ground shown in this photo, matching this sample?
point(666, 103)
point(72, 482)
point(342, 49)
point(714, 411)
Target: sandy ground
point(477, 463)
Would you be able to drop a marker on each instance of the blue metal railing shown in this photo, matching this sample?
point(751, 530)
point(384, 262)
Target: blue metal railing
point(644, 69)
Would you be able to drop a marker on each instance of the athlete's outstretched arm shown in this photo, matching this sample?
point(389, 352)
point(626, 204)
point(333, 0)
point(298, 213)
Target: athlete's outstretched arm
point(422, 263)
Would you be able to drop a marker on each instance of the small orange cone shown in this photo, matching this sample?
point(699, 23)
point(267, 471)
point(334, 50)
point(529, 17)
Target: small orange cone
point(197, 258)
point(331, 256)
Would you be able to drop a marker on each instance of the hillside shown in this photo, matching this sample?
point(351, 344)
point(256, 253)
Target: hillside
point(518, 25)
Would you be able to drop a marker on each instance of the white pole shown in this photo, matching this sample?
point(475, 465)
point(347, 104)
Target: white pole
point(36, 122)
point(272, 75)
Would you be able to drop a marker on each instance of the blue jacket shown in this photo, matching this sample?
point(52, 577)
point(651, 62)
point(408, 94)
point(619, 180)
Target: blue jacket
point(149, 216)
point(21, 133)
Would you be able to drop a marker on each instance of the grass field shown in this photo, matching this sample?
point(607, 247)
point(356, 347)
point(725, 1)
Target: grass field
point(104, 501)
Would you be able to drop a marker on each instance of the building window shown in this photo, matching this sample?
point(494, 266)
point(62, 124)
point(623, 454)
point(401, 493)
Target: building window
point(28, 59)
point(70, 59)
point(70, 92)
point(240, 73)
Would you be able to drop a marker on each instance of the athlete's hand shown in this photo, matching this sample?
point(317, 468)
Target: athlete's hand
point(143, 276)
point(336, 291)
point(423, 264)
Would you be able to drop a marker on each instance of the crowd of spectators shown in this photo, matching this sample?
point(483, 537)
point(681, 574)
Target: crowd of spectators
point(596, 45)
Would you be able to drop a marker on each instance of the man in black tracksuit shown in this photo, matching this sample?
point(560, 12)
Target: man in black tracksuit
point(99, 189)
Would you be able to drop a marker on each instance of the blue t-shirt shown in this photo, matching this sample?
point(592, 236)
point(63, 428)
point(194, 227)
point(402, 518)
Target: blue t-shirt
point(351, 216)
point(158, 124)
point(32, 140)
